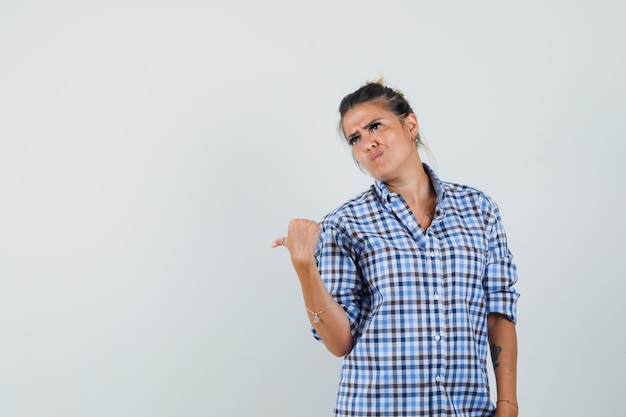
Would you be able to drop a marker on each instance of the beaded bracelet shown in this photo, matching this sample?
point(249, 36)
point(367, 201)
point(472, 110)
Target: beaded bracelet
point(316, 315)
point(510, 402)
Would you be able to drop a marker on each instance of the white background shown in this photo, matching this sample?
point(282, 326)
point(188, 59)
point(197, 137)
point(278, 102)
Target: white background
point(151, 150)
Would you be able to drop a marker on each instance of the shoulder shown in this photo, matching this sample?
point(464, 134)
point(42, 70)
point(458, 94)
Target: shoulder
point(470, 202)
point(466, 192)
point(356, 207)
point(457, 194)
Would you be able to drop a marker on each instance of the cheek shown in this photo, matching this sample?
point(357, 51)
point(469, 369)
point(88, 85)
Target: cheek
point(359, 160)
point(357, 156)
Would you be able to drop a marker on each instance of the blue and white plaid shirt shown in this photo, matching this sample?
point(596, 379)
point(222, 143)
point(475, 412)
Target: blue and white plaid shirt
point(417, 301)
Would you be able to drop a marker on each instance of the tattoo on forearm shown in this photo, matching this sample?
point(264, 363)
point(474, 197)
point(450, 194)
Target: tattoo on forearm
point(495, 354)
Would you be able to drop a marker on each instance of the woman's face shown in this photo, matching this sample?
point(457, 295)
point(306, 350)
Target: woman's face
point(381, 143)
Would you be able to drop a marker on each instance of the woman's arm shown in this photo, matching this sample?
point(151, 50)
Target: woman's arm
point(332, 324)
point(503, 345)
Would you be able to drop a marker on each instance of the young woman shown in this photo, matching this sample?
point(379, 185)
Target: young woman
point(411, 281)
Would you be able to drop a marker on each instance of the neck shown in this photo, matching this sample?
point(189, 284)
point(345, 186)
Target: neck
point(415, 189)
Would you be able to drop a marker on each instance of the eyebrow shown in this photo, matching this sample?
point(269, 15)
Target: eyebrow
point(366, 127)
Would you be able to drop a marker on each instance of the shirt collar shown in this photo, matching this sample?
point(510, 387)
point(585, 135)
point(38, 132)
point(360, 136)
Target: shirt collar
point(385, 195)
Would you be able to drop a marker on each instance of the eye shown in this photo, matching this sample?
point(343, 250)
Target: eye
point(352, 140)
point(374, 126)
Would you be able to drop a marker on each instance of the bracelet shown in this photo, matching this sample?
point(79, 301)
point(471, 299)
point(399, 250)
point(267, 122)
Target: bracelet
point(510, 402)
point(316, 315)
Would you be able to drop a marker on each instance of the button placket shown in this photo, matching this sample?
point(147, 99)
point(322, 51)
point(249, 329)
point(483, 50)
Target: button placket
point(433, 257)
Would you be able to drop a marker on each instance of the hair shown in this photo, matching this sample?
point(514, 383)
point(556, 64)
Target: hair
point(393, 100)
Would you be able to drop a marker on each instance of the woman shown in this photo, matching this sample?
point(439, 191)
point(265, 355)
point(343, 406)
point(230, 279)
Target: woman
point(409, 281)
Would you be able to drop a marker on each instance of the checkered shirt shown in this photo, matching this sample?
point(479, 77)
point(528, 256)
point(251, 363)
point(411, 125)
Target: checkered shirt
point(417, 301)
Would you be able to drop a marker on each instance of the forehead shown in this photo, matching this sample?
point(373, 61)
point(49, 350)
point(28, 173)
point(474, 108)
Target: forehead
point(362, 114)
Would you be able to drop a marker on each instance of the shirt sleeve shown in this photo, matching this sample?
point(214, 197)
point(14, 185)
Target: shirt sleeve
point(500, 273)
point(340, 273)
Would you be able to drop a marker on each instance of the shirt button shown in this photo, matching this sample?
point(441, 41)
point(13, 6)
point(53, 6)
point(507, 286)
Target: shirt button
point(438, 378)
point(436, 297)
point(432, 253)
point(437, 338)
point(411, 224)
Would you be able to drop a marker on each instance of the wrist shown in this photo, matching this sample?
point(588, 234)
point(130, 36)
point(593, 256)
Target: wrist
point(304, 261)
point(509, 407)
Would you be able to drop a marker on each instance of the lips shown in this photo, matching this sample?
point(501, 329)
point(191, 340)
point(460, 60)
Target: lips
point(376, 155)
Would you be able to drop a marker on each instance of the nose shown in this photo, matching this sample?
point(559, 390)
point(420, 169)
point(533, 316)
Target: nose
point(369, 142)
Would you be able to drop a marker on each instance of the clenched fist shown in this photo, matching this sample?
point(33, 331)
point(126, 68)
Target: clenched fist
point(301, 240)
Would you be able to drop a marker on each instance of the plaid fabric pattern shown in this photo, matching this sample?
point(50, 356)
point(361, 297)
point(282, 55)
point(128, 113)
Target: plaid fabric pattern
point(417, 302)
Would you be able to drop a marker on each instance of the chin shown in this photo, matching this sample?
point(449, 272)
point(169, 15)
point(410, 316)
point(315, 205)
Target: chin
point(380, 177)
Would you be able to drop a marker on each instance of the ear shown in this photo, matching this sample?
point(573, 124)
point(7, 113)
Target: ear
point(410, 121)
